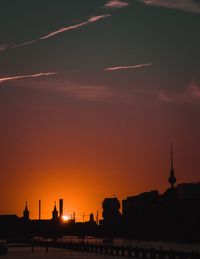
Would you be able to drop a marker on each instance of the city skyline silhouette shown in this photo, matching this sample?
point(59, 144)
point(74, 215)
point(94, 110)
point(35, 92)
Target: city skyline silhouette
point(62, 213)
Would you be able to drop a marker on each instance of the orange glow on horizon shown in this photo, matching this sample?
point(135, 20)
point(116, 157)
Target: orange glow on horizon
point(65, 218)
point(118, 159)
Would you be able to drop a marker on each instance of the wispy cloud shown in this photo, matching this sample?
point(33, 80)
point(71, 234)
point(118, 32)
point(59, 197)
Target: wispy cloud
point(116, 4)
point(12, 78)
point(90, 93)
point(24, 44)
point(165, 97)
point(128, 67)
point(78, 91)
point(184, 5)
point(3, 47)
point(190, 95)
point(92, 19)
point(194, 89)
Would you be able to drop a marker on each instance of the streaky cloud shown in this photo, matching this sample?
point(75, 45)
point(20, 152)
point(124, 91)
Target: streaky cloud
point(92, 19)
point(23, 44)
point(72, 27)
point(128, 67)
point(183, 5)
point(11, 78)
point(76, 26)
point(98, 17)
point(116, 4)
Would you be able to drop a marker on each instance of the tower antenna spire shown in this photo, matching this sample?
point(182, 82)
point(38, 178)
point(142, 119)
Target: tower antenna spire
point(172, 159)
point(172, 178)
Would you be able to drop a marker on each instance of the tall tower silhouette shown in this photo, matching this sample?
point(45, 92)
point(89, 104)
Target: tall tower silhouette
point(172, 178)
point(55, 212)
point(26, 212)
point(60, 208)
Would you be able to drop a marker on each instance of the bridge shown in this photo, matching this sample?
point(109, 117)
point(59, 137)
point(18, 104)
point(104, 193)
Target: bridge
point(118, 250)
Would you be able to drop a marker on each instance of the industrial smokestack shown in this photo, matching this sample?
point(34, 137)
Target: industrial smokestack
point(39, 209)
point(61, 207)
point(97, 218)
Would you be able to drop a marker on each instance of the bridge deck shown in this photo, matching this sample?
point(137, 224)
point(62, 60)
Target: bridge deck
point(126, 251)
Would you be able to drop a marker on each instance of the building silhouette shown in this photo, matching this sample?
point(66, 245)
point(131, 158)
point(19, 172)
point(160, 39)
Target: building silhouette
point(172, 215)
point(26, 212)
point(91, 218)
point(55, 213)
point(111, 213)
point(111, 216)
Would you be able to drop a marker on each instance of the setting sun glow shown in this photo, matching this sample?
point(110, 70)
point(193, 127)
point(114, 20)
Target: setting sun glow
point(65, 218)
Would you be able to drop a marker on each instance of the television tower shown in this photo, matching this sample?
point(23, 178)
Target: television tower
point(172, 178)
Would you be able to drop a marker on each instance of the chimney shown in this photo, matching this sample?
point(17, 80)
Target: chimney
point(61, 207)
point(39, 209)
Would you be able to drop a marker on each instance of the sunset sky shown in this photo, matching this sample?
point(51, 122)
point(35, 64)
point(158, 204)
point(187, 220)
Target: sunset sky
point(92, 93)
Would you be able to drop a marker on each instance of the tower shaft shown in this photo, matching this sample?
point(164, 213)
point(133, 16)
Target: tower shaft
point(172, 178)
